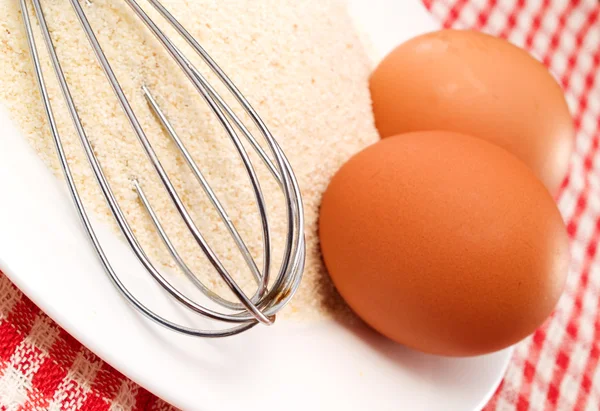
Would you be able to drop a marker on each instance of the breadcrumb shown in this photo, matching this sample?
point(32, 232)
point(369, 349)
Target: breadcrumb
point(300, 64)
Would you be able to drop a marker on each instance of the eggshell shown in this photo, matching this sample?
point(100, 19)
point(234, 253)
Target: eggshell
point(444, 242)
point(477, 84)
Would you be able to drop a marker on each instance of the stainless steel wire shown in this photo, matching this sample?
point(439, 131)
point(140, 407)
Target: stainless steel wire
point(270, 296)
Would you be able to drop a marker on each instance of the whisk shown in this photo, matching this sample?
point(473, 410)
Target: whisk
point(270, 296)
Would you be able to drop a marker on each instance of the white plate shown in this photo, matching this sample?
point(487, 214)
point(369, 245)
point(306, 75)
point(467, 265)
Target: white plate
point(293, 366)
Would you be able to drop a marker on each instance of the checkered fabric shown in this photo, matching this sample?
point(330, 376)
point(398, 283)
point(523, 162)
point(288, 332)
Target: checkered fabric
point(43, 368)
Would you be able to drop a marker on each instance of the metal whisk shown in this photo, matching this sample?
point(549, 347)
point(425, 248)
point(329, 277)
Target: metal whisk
point(270, 296)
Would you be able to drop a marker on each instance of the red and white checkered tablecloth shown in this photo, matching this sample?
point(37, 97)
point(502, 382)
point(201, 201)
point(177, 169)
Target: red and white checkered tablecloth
point(43, 368)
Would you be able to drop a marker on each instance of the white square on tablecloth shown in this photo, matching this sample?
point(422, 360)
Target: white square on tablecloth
point(576, 20)
point(589, 123)
point(593, 104)
point(440, 9)
point(558, 64)
point(13, 388)
point(125, 398)
point(496, 22)
point(591, 42)
point(577, 84)
point(468, 16)
point(537, 396)
point(549, 23)
point(540, 45)
point(84, 371)
point(532, 7)
point(584, 63)
point(8, 296)
point(43, 333)
point(586, 227)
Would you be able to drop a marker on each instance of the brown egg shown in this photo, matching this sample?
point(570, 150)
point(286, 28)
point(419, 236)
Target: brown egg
point(444, 242)
point(473, 83)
